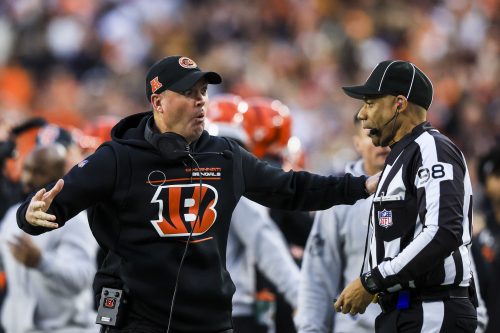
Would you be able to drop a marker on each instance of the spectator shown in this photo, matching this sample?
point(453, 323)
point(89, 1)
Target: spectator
point(269, 125)
point(335, 252)
point(254, 240)
point(298, 50)
point(489, 238)
point(48, 277)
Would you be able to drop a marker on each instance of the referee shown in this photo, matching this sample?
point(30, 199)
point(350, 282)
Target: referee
point(421, 213)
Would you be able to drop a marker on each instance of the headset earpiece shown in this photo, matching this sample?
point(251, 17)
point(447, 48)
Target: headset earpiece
point(399, 103)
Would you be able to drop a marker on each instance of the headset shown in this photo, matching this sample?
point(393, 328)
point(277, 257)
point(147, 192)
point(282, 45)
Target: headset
point(377, 131)
point(173, 148)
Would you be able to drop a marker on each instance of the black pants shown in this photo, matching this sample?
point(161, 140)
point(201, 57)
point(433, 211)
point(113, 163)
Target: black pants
point(248, 324)
point(456, 315)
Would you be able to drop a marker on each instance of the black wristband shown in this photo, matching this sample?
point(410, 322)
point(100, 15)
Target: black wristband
point(369, 283)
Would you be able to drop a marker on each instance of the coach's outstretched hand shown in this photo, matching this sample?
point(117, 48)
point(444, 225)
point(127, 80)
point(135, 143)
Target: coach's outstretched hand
point(372, 182)
point(36, 213)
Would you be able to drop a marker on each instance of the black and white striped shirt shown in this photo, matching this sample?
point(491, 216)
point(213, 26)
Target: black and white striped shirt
point(422, 215)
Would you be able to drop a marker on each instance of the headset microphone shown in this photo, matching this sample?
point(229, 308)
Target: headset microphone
point(376, 131)
point(227, 154)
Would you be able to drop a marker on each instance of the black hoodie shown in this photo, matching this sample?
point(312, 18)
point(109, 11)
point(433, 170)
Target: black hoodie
point(143, 204)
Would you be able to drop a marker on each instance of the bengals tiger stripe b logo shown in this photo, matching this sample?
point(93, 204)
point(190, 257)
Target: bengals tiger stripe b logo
point(178, 209)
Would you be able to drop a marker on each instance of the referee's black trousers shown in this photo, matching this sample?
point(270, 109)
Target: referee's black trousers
point(455, 315)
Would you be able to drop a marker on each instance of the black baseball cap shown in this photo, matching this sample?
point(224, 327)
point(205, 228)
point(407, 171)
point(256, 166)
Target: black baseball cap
point(395, 77)
point(176, 73)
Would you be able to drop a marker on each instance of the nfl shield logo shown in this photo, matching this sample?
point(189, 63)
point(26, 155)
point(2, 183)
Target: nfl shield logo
point(385, 218)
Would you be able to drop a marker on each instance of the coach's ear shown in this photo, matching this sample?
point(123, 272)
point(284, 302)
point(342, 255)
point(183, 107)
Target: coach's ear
point(156, 103)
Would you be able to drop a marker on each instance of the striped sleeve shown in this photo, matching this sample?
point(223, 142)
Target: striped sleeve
point(443, 196)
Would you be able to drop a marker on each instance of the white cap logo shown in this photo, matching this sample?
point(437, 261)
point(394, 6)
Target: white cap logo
point(187, 63)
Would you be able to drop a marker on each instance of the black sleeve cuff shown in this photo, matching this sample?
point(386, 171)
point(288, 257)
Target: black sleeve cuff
point(379, 279)
point(359, 188)
point(364, 186)
point(372, 281)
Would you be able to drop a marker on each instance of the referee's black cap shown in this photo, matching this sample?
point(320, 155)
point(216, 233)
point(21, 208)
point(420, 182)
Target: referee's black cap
point(176, 73)
point(395, 77)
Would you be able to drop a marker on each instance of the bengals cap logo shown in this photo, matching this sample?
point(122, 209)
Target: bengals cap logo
point(178, 209)
point(187, 63)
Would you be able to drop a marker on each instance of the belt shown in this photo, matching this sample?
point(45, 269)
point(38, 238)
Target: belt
point(402, 299)
point(443, 294)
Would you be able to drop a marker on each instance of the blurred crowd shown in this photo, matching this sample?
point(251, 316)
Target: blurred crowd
point(73, 60)
point(80, 64)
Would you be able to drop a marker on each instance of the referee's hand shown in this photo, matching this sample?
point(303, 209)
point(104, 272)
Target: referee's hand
point(354, 298)
point(36, 213)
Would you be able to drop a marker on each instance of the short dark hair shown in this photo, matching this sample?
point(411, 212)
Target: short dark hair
point(489, 164)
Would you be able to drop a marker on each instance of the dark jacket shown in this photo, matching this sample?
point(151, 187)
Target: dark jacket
point(144, 204)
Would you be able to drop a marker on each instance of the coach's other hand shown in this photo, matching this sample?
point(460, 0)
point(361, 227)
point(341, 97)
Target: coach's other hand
point(36, 213)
